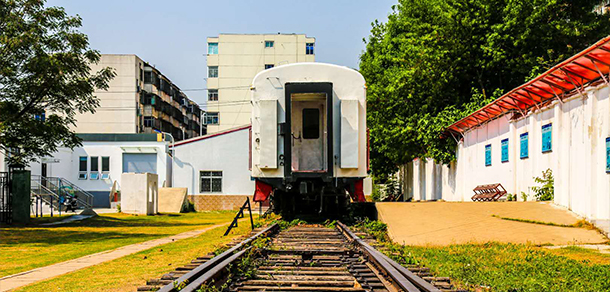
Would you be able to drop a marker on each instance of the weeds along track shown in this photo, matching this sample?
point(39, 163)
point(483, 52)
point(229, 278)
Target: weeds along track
point(300, 258)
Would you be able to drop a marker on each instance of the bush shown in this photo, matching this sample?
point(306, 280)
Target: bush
point(545, 192)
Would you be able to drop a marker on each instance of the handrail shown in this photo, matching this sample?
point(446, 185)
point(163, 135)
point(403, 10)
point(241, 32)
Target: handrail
point(84, 198)
point(37, 189)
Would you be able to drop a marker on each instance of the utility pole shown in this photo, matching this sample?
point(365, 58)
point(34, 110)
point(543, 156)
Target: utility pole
point(173, 153)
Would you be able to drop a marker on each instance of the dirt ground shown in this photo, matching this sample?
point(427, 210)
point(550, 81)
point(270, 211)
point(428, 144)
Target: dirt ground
point(446, 223)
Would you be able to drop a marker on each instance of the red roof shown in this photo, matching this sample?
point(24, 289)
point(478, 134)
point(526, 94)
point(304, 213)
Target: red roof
point(199, 138)
point(571, 75)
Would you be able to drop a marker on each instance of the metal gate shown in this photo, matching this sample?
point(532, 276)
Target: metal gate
point(6, 204)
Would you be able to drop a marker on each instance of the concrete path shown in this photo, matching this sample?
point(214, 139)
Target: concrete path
point(43, 273)
point(445, 223)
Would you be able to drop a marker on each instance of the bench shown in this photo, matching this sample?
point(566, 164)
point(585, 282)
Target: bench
point(487, 193)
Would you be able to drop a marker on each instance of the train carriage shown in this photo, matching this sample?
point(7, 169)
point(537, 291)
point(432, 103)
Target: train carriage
point(309, 137)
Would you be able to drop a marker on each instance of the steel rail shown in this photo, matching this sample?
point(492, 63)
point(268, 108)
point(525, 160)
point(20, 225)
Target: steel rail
point(404, 278)
point(195, 284)
point(213, 262)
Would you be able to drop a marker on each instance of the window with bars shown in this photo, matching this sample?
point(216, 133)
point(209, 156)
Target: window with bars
point(211, 181)
point(213, 72)
point(213, 94)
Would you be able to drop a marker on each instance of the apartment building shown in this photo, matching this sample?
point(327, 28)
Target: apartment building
point(234, 59)
point(140, 99)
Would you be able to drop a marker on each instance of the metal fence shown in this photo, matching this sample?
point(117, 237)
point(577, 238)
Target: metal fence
point(6, 204)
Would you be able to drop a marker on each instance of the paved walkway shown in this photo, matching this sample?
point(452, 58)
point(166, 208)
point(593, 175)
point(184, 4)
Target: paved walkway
point(445, 223)
point(43, 273)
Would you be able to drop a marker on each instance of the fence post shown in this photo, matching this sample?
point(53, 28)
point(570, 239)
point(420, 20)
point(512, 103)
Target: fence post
point(20, 188)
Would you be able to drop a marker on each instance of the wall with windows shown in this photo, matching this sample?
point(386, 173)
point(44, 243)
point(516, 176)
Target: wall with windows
point(215, 164)
point(570, 138)
point(234, 59)
point(79, 167)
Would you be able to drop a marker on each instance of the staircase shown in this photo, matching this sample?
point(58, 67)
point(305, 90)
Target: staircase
point(50, 191)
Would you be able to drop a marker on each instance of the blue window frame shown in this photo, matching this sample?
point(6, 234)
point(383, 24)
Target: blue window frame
point(547, 138)
point(269, 44)
point(212, 48)
point(524, 151)
point(504, 145)
point(309, 48)
point(608, 155)
point(488, 155)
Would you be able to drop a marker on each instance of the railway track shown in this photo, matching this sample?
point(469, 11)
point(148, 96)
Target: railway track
point(300, 258)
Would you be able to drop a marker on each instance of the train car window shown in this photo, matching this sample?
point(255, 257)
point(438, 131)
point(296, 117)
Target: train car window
point(311, 123)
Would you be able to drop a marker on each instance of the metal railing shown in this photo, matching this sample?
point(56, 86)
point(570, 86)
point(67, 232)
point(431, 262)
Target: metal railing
point(63, 188)
point(6, 204)
point(41, 195)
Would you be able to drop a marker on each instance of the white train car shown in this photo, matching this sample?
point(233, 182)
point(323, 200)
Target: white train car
point(309, 138)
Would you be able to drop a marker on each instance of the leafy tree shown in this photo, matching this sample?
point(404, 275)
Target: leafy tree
point(435, 61)
point(45, 79)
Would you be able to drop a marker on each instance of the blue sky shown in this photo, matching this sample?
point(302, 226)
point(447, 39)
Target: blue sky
point(171, 34)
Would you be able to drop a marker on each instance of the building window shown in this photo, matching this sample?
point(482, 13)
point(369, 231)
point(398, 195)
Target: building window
point(212, 48)
point(269, 44)
point(41, 117)
point(213, 72)
point(105, 167)
point(524, 151)
point(94, 167)
point(211, 181)
point(212, 94)
point(311, 123)
point(547, 138)
point(149, 122)
point(504, 150)
point(82, 167)
point(309, 48)
point(488, 155)
point(268, 66)
point(211, 118)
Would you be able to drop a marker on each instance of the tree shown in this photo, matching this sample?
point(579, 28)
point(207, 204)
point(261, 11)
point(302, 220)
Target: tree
point(45, 79)
point(435, 61)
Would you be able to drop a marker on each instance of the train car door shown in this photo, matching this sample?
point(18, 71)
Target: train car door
point(308, 131)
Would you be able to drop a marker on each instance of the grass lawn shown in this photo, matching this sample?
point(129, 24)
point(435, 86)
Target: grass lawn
point(27, 247)
point(514, 267)
point(127, 273)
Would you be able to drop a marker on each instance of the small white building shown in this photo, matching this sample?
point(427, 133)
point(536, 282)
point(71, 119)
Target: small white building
point(99, 162)
point(215, 168)
point(559, 120)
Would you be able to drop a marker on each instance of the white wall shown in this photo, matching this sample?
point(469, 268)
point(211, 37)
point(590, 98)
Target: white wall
point(580, 126)
point(67, 167)
point(228, 152)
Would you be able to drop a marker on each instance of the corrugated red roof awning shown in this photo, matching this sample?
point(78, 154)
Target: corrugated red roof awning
point(571, 75)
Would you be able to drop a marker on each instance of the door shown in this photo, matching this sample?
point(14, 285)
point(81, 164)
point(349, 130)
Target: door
point(308, 131)
point(140, 162)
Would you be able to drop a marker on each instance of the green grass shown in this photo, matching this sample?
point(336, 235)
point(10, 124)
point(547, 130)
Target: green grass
point(127, 273)
point(27, 247)
point(512, 267)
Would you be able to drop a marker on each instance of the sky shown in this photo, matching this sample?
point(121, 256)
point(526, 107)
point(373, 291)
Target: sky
point(171, 35)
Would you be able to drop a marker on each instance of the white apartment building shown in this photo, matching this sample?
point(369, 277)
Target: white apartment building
point(234, 59)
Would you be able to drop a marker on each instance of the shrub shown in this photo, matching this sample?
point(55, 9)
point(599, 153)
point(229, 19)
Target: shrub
point(546, 191)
